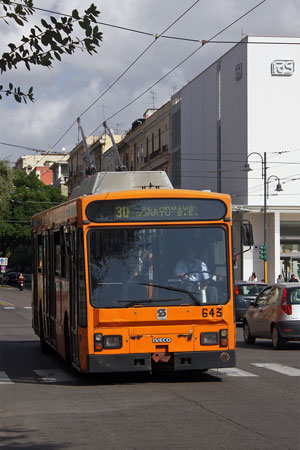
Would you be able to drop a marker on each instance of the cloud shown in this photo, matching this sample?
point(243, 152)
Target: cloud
point(65, 91)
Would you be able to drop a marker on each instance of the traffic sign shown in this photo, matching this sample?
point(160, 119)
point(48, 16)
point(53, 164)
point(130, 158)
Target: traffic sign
point(3, 269)
point(3, 261)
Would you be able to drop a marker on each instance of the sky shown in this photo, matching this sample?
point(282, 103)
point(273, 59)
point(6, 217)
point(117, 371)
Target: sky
point(64, 92)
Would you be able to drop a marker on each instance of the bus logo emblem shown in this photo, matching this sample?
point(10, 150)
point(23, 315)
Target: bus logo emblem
point(161, 314)
point(161, 340)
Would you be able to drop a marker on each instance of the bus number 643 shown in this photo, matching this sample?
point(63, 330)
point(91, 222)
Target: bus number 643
point(212, 312)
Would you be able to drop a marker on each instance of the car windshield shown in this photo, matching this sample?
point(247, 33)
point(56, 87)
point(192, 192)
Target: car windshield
point(157, 266)
point(251, 289)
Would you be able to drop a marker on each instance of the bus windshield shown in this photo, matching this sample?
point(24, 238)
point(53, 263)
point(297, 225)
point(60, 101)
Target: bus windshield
point(158, 266)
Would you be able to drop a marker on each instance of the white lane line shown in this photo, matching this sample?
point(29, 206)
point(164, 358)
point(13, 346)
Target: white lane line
point(234, 372)
point(4, 379)
point(9, 307)
point(27, 307)
point(5, 303)
point(54, 376)
point(280, 368)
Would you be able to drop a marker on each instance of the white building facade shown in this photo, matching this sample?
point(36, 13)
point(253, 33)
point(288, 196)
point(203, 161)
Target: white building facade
point(242, 106)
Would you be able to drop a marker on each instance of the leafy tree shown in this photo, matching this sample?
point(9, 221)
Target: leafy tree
point(28, 197)
point(45, 43)
point(5, 183)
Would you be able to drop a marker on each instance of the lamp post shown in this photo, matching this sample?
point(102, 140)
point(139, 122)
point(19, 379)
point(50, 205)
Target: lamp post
point(247, 168)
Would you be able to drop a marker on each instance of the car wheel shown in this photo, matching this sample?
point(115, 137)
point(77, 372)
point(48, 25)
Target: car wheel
point(248, 338)
point(277, 341)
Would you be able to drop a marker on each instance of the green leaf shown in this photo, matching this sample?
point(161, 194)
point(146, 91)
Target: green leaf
point(57, 56)
point(45, 24)
point(53, 20)
point(11, 86)
point(17, 98)
point(75, 14)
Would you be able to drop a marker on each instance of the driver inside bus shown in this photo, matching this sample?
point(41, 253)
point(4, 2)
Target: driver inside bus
point(190, 264)
point(192, 268)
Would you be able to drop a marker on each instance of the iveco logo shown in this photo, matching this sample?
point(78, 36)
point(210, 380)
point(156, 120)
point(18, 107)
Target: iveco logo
point(161, 340)
point(283, 67)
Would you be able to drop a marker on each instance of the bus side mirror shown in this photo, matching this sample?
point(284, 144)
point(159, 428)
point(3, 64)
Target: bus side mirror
point(247, 234)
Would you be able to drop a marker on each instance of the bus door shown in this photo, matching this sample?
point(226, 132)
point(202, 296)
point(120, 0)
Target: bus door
point(71, 253)
point(52, 304)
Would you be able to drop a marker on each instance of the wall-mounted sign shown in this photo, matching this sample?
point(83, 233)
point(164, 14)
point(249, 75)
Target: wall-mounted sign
point(283, 67)
point(238, 71)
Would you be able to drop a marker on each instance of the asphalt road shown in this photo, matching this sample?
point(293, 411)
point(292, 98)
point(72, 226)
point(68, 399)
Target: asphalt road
point(44, 406)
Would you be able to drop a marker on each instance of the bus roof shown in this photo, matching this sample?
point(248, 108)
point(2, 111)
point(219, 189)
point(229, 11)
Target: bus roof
point(103, 182)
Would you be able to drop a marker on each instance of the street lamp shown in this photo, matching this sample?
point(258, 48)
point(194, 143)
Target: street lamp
point(247, 168)
point(278, 187)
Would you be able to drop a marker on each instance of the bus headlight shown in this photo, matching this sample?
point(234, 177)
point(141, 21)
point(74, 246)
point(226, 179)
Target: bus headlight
point(209, 338)
point(223, 338)
point(112, 341)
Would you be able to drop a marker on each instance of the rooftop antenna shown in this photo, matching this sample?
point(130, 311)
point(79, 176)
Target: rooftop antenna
point(153, 99)
point(90, 168)
point(119, 167)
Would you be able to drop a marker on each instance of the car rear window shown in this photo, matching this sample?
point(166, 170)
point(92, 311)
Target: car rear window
point(250, 289)
point(293, 295)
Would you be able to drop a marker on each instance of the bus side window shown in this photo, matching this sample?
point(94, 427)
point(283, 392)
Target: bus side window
point(40, 253)
point(57, 254)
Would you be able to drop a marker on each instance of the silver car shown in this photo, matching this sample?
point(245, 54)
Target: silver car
point(275, 314)
point(244, 293)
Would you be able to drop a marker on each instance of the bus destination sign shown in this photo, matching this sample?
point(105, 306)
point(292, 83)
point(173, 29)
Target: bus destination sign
point(155, 210)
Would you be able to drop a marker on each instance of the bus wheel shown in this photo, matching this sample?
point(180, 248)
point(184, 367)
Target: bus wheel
point(43, 344)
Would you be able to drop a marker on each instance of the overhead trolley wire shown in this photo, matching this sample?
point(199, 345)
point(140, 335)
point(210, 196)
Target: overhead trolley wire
point(126, 70)
point(146, 33)
point(182, 62)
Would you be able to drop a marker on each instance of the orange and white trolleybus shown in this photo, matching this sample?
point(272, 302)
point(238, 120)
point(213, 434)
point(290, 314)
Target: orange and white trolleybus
point(131, 273)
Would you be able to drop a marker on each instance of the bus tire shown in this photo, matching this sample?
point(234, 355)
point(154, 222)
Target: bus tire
point(44, 347)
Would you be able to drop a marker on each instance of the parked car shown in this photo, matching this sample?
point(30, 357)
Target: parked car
point(11, 277)
point(27, 278)
point(244, 293)
point(275, 314)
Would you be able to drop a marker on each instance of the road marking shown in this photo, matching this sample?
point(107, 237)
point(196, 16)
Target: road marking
point(9, 307)
point(4, 303)
point(53, 376)
point(280, 368)
point(27, 307)
point(234, 372)
point(4, 379)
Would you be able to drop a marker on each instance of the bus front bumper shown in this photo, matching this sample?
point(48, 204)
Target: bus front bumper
point(142, 362)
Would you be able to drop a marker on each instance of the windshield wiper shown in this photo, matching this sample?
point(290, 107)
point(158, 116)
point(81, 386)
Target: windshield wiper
point(150, 300)
point(170, 288)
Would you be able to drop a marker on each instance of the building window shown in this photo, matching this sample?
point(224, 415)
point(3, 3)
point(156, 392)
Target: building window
point(147, 147)
point(165, 139)
point(159, 139)
point(176, 169)
point(176, 129)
